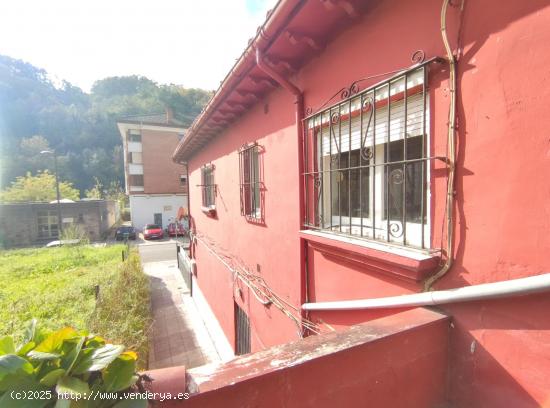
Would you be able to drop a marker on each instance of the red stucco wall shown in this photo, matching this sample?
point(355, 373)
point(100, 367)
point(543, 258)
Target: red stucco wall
point(500, 350)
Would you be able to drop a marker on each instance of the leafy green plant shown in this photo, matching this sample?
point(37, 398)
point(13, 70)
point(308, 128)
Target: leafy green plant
point(65, 369)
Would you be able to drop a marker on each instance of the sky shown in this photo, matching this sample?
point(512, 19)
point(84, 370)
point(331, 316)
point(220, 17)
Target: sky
point(192, 43)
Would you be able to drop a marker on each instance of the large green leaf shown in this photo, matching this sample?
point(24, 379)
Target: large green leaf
point(72, 385)
point(11, 364)
point(13, 370)
point(25, 385)
point(121, 373)
point(54, 342)
point(41, 356)
point(50, 379)
point(6, 346)
point(70, 359)
point(25, 348)
point(98, 359)
point(62, 403)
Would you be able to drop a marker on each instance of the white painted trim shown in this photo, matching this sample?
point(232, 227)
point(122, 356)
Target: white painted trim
point(123, 127)
point(221, 342)
point(136, 188)
point(159, 195)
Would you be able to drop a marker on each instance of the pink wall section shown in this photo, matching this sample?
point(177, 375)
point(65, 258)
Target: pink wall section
point(272, 245)
point(499, 349)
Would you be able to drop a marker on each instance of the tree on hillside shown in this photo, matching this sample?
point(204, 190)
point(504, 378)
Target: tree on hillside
point(37, 188)
point(80, 127)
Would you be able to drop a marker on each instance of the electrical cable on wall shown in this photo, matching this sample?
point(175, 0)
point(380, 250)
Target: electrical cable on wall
point(257, 284)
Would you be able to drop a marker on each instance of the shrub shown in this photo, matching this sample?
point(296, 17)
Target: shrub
point(74, 232)
point(123, 308)
point(66, 362)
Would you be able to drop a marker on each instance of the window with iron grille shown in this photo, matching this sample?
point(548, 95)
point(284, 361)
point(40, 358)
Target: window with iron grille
point(208, 186)
point(250, 184)
point(242, 331)
point(366, 162)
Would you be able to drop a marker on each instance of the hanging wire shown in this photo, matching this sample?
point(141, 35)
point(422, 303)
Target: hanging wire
point(259, 287)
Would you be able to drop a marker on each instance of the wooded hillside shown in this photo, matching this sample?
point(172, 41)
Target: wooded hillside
point(36, 114)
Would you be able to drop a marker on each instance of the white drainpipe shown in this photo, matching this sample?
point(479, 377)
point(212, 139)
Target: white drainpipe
point(514, 287)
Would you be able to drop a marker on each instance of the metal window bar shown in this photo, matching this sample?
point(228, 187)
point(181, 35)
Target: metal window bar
point(208, 186)
point(405, 112)
point(249, 181)
point(242, 332)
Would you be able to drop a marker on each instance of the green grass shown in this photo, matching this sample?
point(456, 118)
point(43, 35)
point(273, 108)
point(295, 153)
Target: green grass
point(57, 287)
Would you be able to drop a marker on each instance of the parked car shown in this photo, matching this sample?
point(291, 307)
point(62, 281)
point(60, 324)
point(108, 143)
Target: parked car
point(176, 229)
point(151, 231)
point(125, 229)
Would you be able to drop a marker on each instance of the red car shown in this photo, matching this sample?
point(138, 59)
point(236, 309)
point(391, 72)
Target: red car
point(175, 229)
point(152, 231)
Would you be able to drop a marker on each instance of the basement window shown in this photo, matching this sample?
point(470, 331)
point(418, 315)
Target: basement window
point(242, 331)
point(367, 164)
point(208, 186)
point(250, 183)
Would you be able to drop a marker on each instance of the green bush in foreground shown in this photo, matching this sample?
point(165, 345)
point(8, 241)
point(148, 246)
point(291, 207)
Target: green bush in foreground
point(66, 369)
point(57, 287)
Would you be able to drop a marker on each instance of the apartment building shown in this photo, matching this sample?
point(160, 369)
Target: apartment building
point(156, 186)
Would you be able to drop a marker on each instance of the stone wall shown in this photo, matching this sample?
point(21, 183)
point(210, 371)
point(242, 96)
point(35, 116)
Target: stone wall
point(19, 225)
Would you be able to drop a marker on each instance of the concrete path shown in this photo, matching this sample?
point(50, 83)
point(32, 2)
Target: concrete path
point(178, 335)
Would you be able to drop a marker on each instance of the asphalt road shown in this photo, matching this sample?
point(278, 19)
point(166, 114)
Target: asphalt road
point(157, 251)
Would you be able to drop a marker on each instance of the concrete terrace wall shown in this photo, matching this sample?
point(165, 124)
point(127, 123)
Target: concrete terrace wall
point(397, 361)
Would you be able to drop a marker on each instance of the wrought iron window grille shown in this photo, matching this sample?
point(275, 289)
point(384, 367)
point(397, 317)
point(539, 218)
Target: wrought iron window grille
point(367, 160)
point(208, 186)
point(242, 331)
point(250, 182)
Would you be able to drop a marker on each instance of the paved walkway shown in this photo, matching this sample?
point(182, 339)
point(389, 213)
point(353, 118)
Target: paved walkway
point(178, 335)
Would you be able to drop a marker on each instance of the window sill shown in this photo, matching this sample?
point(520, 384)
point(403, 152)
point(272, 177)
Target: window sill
point(210, 211)
point(405, 263)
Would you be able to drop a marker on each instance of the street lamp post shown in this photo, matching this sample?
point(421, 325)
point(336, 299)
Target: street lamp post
point(58, 195)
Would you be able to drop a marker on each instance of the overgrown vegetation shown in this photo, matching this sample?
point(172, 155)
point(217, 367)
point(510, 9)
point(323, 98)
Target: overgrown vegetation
point(66, 369)
point(123, 310)
point(57, 286)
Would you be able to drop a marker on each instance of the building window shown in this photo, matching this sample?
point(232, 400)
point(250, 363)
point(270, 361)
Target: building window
point(136, 180)
point(134, 137)
point(366, 163)
point(208, 186)
point(47, 224)
point(250, 184)
point(135, 158)
point(242, 332)
point(183, 180)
